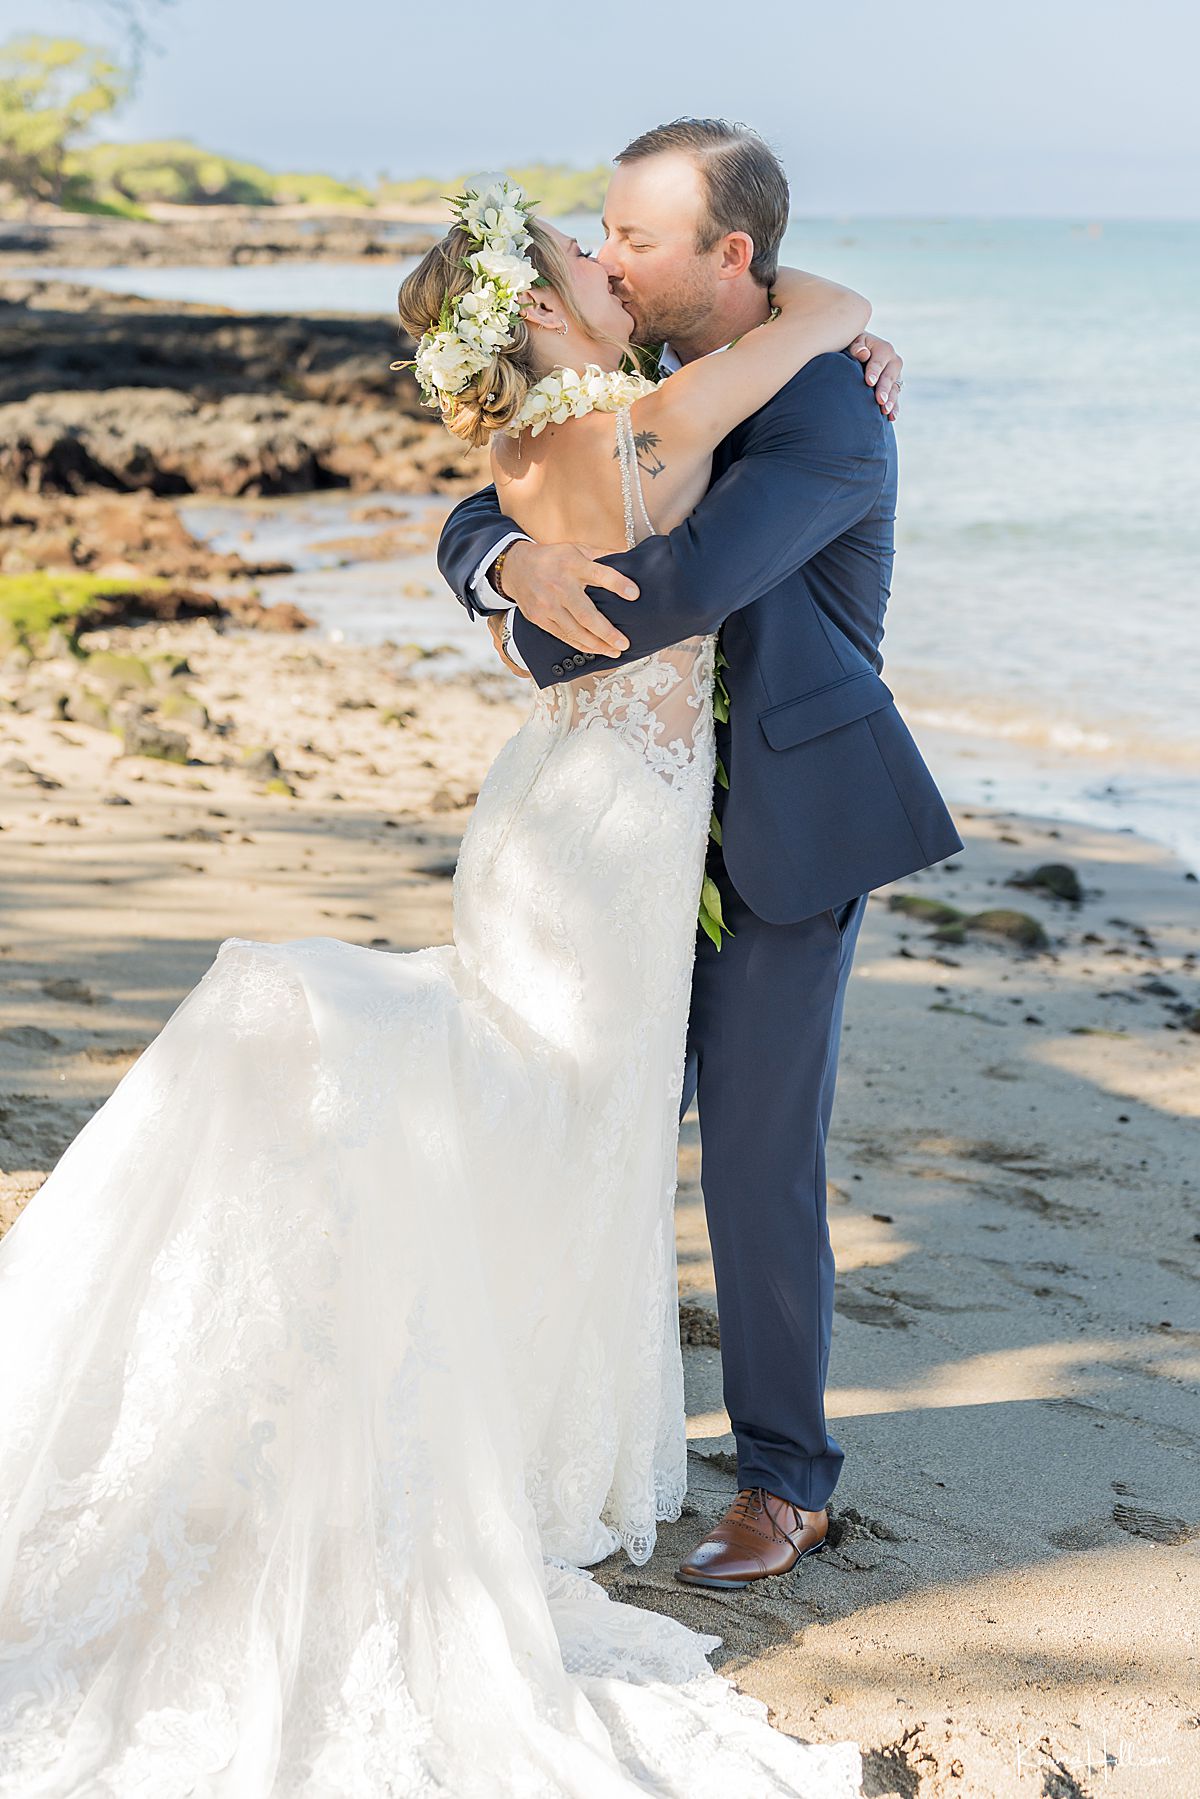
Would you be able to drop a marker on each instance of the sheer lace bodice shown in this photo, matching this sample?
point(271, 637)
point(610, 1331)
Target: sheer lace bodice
point(660, 705)
point(343, 1339)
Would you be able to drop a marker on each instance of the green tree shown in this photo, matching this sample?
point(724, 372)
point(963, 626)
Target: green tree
point(51, 91)
point(121, 176)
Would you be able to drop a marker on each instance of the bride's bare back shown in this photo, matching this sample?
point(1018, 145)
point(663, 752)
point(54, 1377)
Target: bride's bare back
point(564, 486)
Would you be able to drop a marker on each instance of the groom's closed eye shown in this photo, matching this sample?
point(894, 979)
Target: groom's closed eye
point(628, 235)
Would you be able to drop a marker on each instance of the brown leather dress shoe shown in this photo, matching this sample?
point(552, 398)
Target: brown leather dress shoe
point(759, 1535)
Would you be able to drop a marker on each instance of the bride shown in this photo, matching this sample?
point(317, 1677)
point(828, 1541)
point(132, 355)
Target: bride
point(343, 1338)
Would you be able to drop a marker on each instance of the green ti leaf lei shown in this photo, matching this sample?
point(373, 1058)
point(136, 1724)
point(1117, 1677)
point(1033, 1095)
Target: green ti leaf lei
point(711, 921)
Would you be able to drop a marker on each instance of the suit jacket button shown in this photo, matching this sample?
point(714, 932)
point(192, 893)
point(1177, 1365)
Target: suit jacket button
point(557, 669)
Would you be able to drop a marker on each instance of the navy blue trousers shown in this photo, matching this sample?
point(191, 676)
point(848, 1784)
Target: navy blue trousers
point(762, 1051)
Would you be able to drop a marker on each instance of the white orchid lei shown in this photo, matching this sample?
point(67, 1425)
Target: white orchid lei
point(566, 394)
point(494, 213)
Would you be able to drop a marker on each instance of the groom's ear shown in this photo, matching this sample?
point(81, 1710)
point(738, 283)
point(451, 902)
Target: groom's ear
point(737, 253)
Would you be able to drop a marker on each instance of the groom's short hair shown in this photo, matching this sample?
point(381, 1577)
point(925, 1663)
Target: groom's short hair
point(744, 183)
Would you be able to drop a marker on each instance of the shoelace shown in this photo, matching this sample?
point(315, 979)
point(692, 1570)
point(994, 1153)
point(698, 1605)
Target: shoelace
point(753, 1500)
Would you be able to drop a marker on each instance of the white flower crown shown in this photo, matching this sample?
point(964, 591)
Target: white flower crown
point(494, 213)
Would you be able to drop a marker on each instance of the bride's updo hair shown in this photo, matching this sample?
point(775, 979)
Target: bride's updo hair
point(492, 400)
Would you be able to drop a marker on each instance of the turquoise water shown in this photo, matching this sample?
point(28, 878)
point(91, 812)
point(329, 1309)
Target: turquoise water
point(1046, 604)
point(1043, 635)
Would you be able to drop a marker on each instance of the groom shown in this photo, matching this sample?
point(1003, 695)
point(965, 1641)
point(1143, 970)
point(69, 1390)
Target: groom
point(790, 554)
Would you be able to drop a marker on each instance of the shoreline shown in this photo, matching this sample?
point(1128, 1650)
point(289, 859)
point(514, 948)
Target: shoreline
point(217, 236)
point(1013, 1201)
point(155, 401)
point(1060, 786)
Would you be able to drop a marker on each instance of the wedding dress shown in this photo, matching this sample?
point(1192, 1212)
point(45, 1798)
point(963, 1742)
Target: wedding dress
point(343, 1338)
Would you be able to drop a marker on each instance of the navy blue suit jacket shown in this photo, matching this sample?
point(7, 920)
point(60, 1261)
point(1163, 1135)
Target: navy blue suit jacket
point(790, 555)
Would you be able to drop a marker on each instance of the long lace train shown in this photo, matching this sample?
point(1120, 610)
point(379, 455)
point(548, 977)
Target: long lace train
point(342, 1340)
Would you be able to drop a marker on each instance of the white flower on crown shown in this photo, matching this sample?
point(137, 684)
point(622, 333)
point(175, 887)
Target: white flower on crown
point(507, 271)
point(494, 210)
point(445, 363)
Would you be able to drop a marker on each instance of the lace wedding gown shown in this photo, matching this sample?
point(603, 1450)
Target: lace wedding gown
point(343, 1337)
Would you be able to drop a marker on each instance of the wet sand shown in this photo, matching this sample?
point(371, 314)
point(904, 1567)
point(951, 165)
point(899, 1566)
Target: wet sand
point(1012, 1590)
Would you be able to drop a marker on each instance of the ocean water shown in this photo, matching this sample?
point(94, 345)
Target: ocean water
point(1044, 633)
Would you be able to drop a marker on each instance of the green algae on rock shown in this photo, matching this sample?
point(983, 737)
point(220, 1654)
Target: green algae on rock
point(34, 605)
point(925, 911)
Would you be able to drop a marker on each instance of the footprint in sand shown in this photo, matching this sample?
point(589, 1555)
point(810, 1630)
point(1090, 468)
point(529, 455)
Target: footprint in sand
point(925, 1302)
point(1092, 1533)
point(68, 988)
point(34, 1132)
point(847, 1521)
point(29, 1036)
point(1029, 1199)
point(864, 1310)
point(1139, 1521)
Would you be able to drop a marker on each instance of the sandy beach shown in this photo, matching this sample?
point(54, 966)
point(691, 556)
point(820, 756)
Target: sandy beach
point(1010, 1601)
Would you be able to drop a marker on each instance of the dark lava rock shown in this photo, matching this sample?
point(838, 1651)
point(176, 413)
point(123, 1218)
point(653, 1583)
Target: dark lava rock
point(1057, 878)
point(142, 737)
point(1015, 927)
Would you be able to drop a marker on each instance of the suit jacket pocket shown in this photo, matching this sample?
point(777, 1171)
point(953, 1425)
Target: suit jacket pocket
point(813, 714)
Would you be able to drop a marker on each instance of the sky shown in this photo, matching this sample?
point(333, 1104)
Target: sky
point(1063, 108)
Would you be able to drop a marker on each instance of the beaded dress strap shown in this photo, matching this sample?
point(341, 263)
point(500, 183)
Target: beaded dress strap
point(631, 480)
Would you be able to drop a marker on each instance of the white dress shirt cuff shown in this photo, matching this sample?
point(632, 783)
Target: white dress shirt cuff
point(480, 585)
point(486, 597)
point(513, 651)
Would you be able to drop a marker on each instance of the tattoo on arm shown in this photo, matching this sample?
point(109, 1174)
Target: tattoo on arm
point(648, 458)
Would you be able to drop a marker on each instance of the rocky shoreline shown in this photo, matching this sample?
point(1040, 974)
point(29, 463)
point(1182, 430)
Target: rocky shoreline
point(212, 237)
point(110, 408)
point(100, 390)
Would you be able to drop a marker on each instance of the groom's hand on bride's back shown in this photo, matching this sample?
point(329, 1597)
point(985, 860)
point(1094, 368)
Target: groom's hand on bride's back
point(548, 582)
